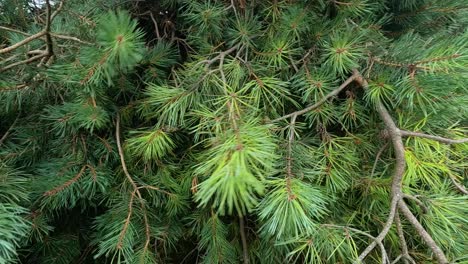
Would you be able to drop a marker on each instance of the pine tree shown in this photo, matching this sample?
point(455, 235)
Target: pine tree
point(176, 131)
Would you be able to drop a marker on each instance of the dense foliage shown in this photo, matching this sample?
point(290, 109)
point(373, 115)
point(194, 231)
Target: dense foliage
point(215, 131)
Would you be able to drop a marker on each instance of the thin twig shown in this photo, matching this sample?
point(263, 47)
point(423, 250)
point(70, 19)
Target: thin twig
point(320, 102)
point(460, 187)
point(4, 137)
point(401, 235)
point(289, 173)
point(15, 30)
point(27, 61)
point(136, 190)
point(417, 201)
point(438, 253)
point(377, 158)
point(66, 37)
point(382, 248)
point(449, 141)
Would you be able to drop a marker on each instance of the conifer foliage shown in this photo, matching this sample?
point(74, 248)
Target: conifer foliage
point(214, 131)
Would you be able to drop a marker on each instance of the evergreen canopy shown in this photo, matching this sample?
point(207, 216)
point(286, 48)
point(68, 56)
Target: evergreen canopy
point(215, 131)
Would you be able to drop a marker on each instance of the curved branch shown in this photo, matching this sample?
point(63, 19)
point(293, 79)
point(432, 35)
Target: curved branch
point(400, 166)
point(406, 133)
point(321, 101)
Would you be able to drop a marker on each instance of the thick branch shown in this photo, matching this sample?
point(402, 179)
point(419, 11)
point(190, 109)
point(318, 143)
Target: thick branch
point(400, 165)
point(436, 138)
point(49, 47)
point(321, 101)
point(438, 253)
point(245, 248)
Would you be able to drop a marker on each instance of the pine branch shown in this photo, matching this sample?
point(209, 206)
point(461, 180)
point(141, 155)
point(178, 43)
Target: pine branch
point(45, 32)
point(136, 190)
point(460, 187)
point(60, 188)
point(400, 165)
point(320, 102)
point(385, 258)
point(404, 246)
point(15, 30)
point(396, 189)
point(23, 42)
point(49, 44)
point(377, 158)
point(417, 201)
point(449, 141)
point(438, 253)
point(4, 137)
point(27, 61)
point(289, 173)
point(245, 247)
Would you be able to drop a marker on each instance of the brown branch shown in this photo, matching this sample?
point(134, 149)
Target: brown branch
point(136, 190)
point(289, 173)
point(417, 201)
point(60, 188)
point(377, 158)
point(127, 221)
point(245, 248)
point(460, 187)
point(382, 248)
point(27, 61)
point(66, 37)
point(321, 101)
point(436, 138)
point(54, 14)
point(23, 42)
point(400, 166)
point(4, 137)
point(404, 246)
point(15, 30)
point(17, 87)
point(438, 253)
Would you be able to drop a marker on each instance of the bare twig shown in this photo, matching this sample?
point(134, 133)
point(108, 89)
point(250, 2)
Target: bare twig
point(27, 61)
point(4, 137)
point(320, 102)
point(460, 187)
point(401, 235)
point(14, 30)
point(66, 37)
point(417, 201)
point(377, 158)
point(54, 14)
point(382, 248)
point(136, 191)
point(289, 173)
point(436, 138)
point(438, 253)
point(23, 42)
